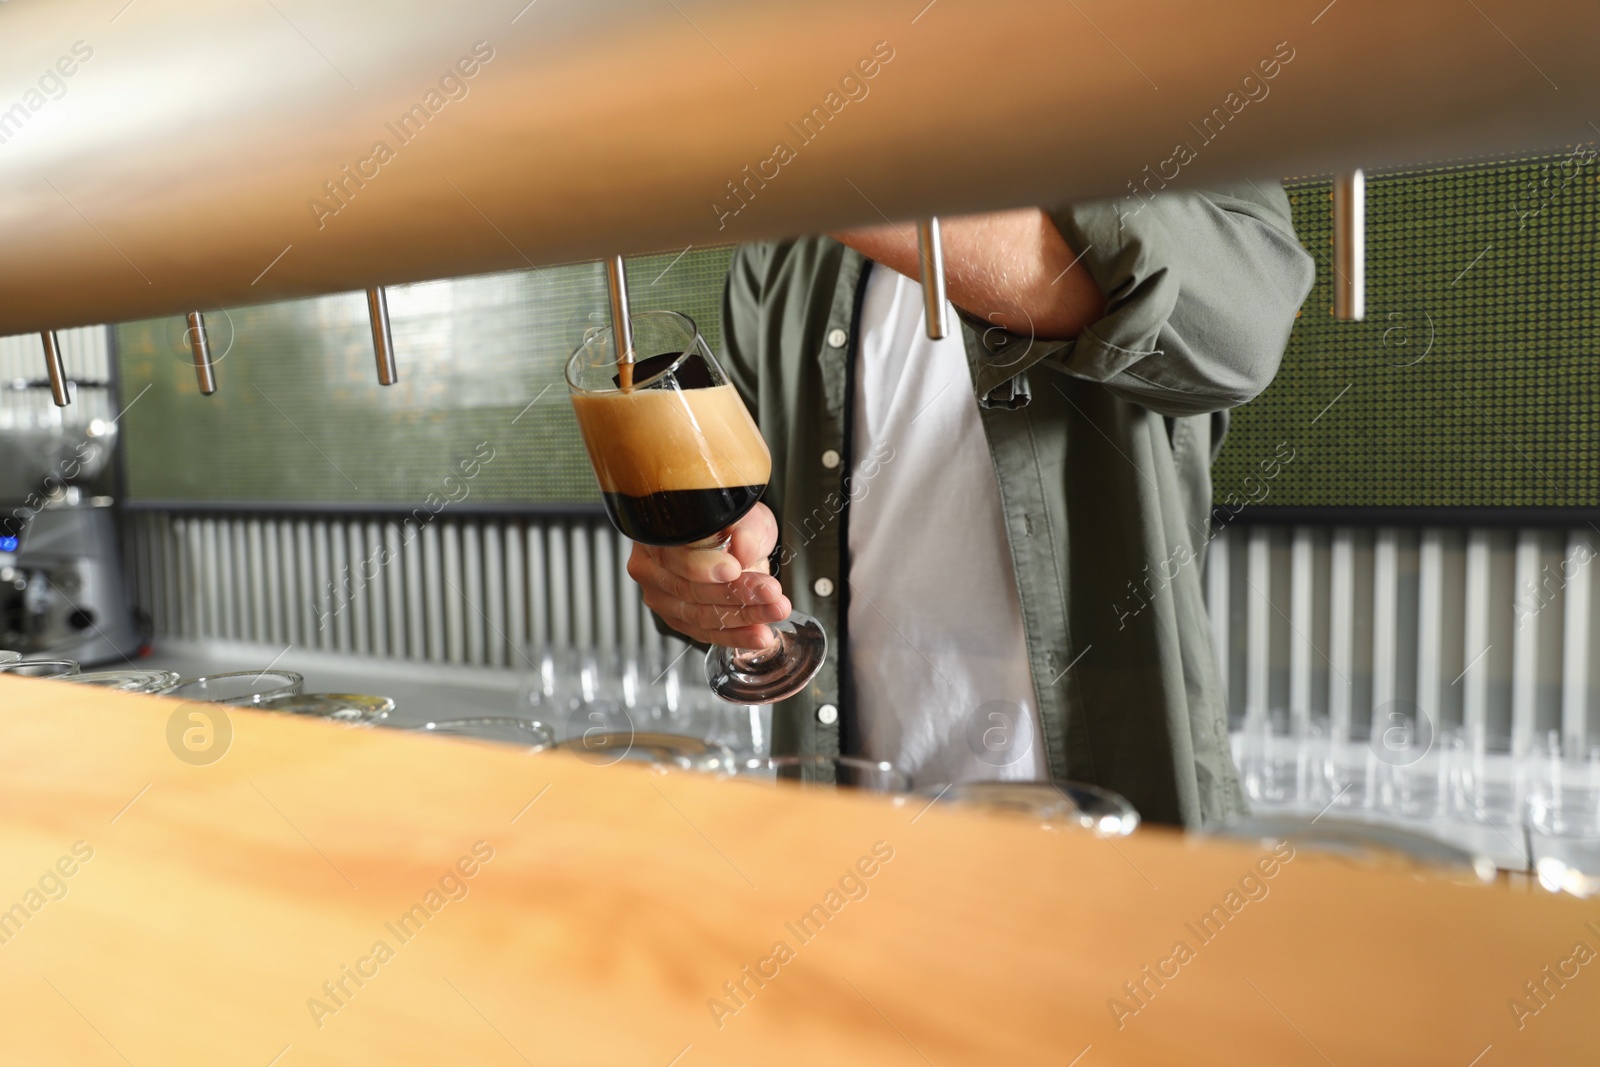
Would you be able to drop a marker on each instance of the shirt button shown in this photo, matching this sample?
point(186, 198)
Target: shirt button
point(837, 338)
point(827, 715)
point(822, 587)
point(830, 459)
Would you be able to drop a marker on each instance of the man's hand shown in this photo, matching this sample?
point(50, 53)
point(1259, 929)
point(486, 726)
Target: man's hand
point(718, 598)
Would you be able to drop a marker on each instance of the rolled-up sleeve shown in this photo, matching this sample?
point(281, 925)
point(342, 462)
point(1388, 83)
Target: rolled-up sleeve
point(1202, 289)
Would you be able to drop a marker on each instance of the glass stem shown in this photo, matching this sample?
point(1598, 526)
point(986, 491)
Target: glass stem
point(715, 543)
point(755, 659)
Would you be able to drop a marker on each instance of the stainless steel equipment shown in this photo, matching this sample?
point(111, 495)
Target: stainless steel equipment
point(62, 591)
point(556, 134)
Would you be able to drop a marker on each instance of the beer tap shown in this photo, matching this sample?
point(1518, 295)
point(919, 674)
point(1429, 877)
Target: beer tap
point(382, 337)
point(621, 323)
point(54, 367)
point(1350, 246)
point(200, 348)
point(930, 259)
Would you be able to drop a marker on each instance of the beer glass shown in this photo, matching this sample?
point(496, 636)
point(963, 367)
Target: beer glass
point(41, 668)
point(1051, 804)
point(1563, 814)
point(130, 681)
point(506, 730)
point(240, 688)
point(829, 772)
point(679, 460)
point(362, 709)
point(661, 751)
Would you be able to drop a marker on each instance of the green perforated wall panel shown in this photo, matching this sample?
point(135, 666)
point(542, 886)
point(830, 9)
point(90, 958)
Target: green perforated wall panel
point(1474, 381)
point(299, 417)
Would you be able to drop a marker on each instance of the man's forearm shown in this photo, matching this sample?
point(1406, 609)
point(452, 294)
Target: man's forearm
point(1011, 268)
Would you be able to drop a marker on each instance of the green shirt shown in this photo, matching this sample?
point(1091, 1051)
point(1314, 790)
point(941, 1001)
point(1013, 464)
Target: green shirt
point(1102, 449)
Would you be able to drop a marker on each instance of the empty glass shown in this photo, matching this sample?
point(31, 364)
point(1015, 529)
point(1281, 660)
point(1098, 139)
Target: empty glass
point(1052, 805)
point(1488, 789)
point(1563, 816)
point(1289, 761)
point(1274, 764)
point(1410, 774)
point(523, 733)
point(849, 772)
point(588, 691)
point(1358, 839)
point(607, 675)
point(1483, 781)
point(549, 683)
point(240, 688)
point(672, 702)
point(41, 668)
point(358, 708)
point(664, 751)
point(600, 705)
point(742, 727)
point(134, 681)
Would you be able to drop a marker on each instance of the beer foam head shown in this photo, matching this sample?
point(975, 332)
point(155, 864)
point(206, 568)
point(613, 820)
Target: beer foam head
point(655, 440)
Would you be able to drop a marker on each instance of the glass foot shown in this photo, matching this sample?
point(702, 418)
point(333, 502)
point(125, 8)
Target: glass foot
point(765, 676)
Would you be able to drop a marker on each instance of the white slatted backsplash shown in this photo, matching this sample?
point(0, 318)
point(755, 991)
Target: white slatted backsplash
point(1472, 625)
point(466, 590)
point(1488, 626)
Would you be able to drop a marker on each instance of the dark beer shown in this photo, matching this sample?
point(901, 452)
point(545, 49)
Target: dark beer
point(675, 465)
point(680, 516)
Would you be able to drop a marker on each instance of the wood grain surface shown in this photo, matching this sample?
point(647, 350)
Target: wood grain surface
point(252, 909)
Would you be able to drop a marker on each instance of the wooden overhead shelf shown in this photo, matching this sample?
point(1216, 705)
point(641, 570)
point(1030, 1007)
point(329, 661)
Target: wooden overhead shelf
point(583, 914)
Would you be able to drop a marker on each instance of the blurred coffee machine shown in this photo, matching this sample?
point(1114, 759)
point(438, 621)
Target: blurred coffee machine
point(62, 589)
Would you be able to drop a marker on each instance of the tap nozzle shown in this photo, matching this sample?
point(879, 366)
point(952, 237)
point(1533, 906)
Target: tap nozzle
point(54, 368)
point(930, 259)
point(200, 348)
point(621, 322)
point(382, 336)
point(1350, 247)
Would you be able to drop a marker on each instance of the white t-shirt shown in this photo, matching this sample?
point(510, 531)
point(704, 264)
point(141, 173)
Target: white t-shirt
point(937, 651)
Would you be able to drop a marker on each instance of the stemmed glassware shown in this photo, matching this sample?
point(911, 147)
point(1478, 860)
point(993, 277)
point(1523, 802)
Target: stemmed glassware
point(244, 688)
point(40, 668)
point(679, 460)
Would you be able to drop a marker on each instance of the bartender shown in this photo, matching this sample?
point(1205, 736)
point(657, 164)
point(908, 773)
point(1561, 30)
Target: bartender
point(1002, 531)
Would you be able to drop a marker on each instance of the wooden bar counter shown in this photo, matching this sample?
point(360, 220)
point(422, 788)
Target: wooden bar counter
point(329, 895)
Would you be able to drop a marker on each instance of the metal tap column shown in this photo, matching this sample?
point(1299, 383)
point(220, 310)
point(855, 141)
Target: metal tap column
point(200, 347)
point(930, 260)
point(621, 322)
point(54, 368)
point(382, 336)
point(1350, 246)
